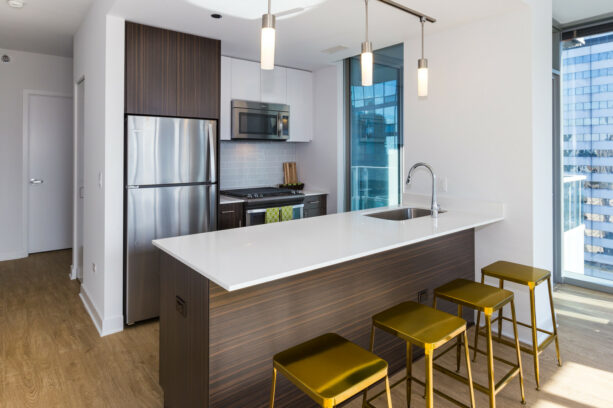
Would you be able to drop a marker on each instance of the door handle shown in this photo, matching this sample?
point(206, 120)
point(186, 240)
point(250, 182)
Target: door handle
point(36, 181)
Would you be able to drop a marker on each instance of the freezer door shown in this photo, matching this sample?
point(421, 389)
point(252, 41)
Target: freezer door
point(153, 213)
point(170, 151)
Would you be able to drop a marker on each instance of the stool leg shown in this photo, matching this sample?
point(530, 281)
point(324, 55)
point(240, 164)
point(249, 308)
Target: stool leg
point(372, 348)
point(521, 374)
point(409, 372)
point(535, 344)
point(490, 361)
point(477, 326)
point(500, 314)
point(387, 392)
point(553, 319)
point(429, 386)
point(458, 344)
point(470, 375)
point(272, 390)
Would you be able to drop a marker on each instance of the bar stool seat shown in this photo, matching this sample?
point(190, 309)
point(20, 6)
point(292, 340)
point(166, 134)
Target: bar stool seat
point(531, 277)
point(476, 295)
point(427, 328)
point(486, 299)
point(419, 324)
point(329, 369)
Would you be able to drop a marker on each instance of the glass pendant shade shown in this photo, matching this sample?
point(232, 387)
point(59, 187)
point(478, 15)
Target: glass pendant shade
point(267, 54)
point(422, 77)
point(367, 62)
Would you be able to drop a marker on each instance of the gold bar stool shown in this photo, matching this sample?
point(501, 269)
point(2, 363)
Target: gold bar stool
point(531, 277)
point(429, 329)
point(486, 299)
point(330, 370)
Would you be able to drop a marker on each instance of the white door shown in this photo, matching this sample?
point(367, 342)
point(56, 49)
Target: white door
point(50, 152)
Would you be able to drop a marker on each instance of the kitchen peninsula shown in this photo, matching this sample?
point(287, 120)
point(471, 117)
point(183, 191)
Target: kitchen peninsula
point(232, 299)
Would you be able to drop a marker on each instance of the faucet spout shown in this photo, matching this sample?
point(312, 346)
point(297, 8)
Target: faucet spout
point(435, 208)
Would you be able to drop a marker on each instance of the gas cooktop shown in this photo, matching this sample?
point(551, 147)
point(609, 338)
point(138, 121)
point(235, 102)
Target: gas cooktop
point(261, 192)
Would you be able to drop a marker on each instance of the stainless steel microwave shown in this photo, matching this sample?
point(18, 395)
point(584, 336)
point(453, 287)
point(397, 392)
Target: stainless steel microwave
point(260, 121)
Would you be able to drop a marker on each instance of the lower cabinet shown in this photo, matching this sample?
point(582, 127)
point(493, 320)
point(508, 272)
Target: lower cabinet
point(315, 205)
point(230, 216)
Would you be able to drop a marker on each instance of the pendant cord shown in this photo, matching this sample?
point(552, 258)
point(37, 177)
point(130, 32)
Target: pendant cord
point(423, 22)
point(269, 1)
point(366, 1)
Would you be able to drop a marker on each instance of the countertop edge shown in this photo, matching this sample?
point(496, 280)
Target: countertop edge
point(295, 272)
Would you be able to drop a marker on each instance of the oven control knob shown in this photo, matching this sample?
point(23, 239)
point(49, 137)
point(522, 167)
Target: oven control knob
point(249, 196)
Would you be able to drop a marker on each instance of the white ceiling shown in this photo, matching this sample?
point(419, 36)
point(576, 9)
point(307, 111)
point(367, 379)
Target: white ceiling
point(43, 26)
point(301, 37)
point(568, 11)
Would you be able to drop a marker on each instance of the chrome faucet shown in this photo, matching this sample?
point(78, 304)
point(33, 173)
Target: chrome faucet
point(435, 208)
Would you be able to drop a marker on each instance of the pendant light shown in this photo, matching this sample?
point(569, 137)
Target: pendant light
point(267, 55)
point(366, 58)
point(422, 66)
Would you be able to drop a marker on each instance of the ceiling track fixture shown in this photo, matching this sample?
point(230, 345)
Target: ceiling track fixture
point(267, 50)
point(367, 60)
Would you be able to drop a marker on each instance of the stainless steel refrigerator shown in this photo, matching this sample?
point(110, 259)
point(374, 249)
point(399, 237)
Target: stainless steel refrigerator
point(170, 190)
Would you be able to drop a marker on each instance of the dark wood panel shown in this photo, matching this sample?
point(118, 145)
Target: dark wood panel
point(249, 326)
point(184, 350)
point(316, 205)
point(151, 70)
point(231, 215)
point(198, 77)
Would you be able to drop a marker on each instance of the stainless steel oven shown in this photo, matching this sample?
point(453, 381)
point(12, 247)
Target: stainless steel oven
point(257, 121)
point(256, 216)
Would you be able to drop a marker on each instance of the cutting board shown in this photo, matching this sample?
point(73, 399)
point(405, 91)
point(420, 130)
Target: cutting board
point(290, 174)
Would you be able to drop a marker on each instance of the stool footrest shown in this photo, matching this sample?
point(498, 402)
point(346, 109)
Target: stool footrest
point(526, 349)
point(423, 384)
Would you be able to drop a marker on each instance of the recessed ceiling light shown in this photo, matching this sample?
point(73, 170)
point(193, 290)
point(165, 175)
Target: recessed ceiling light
point(16, 3)
point(216, 16)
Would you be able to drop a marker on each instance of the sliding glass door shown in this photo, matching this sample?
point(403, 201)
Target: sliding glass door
point(587, 160)
point(374, 131)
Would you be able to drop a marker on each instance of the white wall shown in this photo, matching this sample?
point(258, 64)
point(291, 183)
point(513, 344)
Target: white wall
point(98, 57)
point(318, 160)
point(25, 71)
point(486, 126)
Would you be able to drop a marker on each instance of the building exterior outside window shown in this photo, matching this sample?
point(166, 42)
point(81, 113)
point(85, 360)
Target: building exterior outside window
point(587, 127)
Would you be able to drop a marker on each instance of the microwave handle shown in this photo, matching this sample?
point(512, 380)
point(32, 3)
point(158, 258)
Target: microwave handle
point(279, 124)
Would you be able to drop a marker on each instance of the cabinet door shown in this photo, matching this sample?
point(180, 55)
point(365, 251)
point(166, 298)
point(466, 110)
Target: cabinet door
point(245, 80)
point(230, 216)
point(198, 77)
point(225, 108)
point(300, 101)
point(315, 206)
point(151, 71)
point(274, 85)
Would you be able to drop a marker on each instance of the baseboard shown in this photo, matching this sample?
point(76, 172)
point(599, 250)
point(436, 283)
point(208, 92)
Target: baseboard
point(105, 327)
point(73, 272)
point(9, 256)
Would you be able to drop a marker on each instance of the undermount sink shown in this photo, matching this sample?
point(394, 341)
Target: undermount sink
point(402, 214)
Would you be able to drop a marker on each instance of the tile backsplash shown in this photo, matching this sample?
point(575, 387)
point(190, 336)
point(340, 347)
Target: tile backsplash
point(254, 164)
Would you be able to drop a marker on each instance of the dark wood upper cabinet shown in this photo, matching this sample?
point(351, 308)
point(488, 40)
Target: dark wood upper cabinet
point(171, 74)
point(198, 77)
point(151, 70)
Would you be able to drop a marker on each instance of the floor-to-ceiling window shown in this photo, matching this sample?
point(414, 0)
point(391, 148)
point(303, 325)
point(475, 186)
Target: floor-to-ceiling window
point(374, 136)
point(587, 158)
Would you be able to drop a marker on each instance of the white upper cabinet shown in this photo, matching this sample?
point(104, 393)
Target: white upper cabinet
point(274, 85)
point(300, 101)
point(245, 80)
point(225, 100)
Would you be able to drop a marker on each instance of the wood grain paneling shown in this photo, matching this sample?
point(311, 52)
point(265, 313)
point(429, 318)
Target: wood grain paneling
point(249, 326)
point(151, 70)
point(199, 77)
point(184, 350)
point(231, 215)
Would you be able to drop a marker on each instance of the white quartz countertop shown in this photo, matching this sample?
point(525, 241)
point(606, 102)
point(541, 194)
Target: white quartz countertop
point(244, 257)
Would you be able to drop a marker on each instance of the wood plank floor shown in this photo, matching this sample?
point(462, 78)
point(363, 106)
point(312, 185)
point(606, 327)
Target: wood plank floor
point(51, 354)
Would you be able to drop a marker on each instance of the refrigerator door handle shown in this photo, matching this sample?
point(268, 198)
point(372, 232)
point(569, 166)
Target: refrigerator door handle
point(212, 150)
